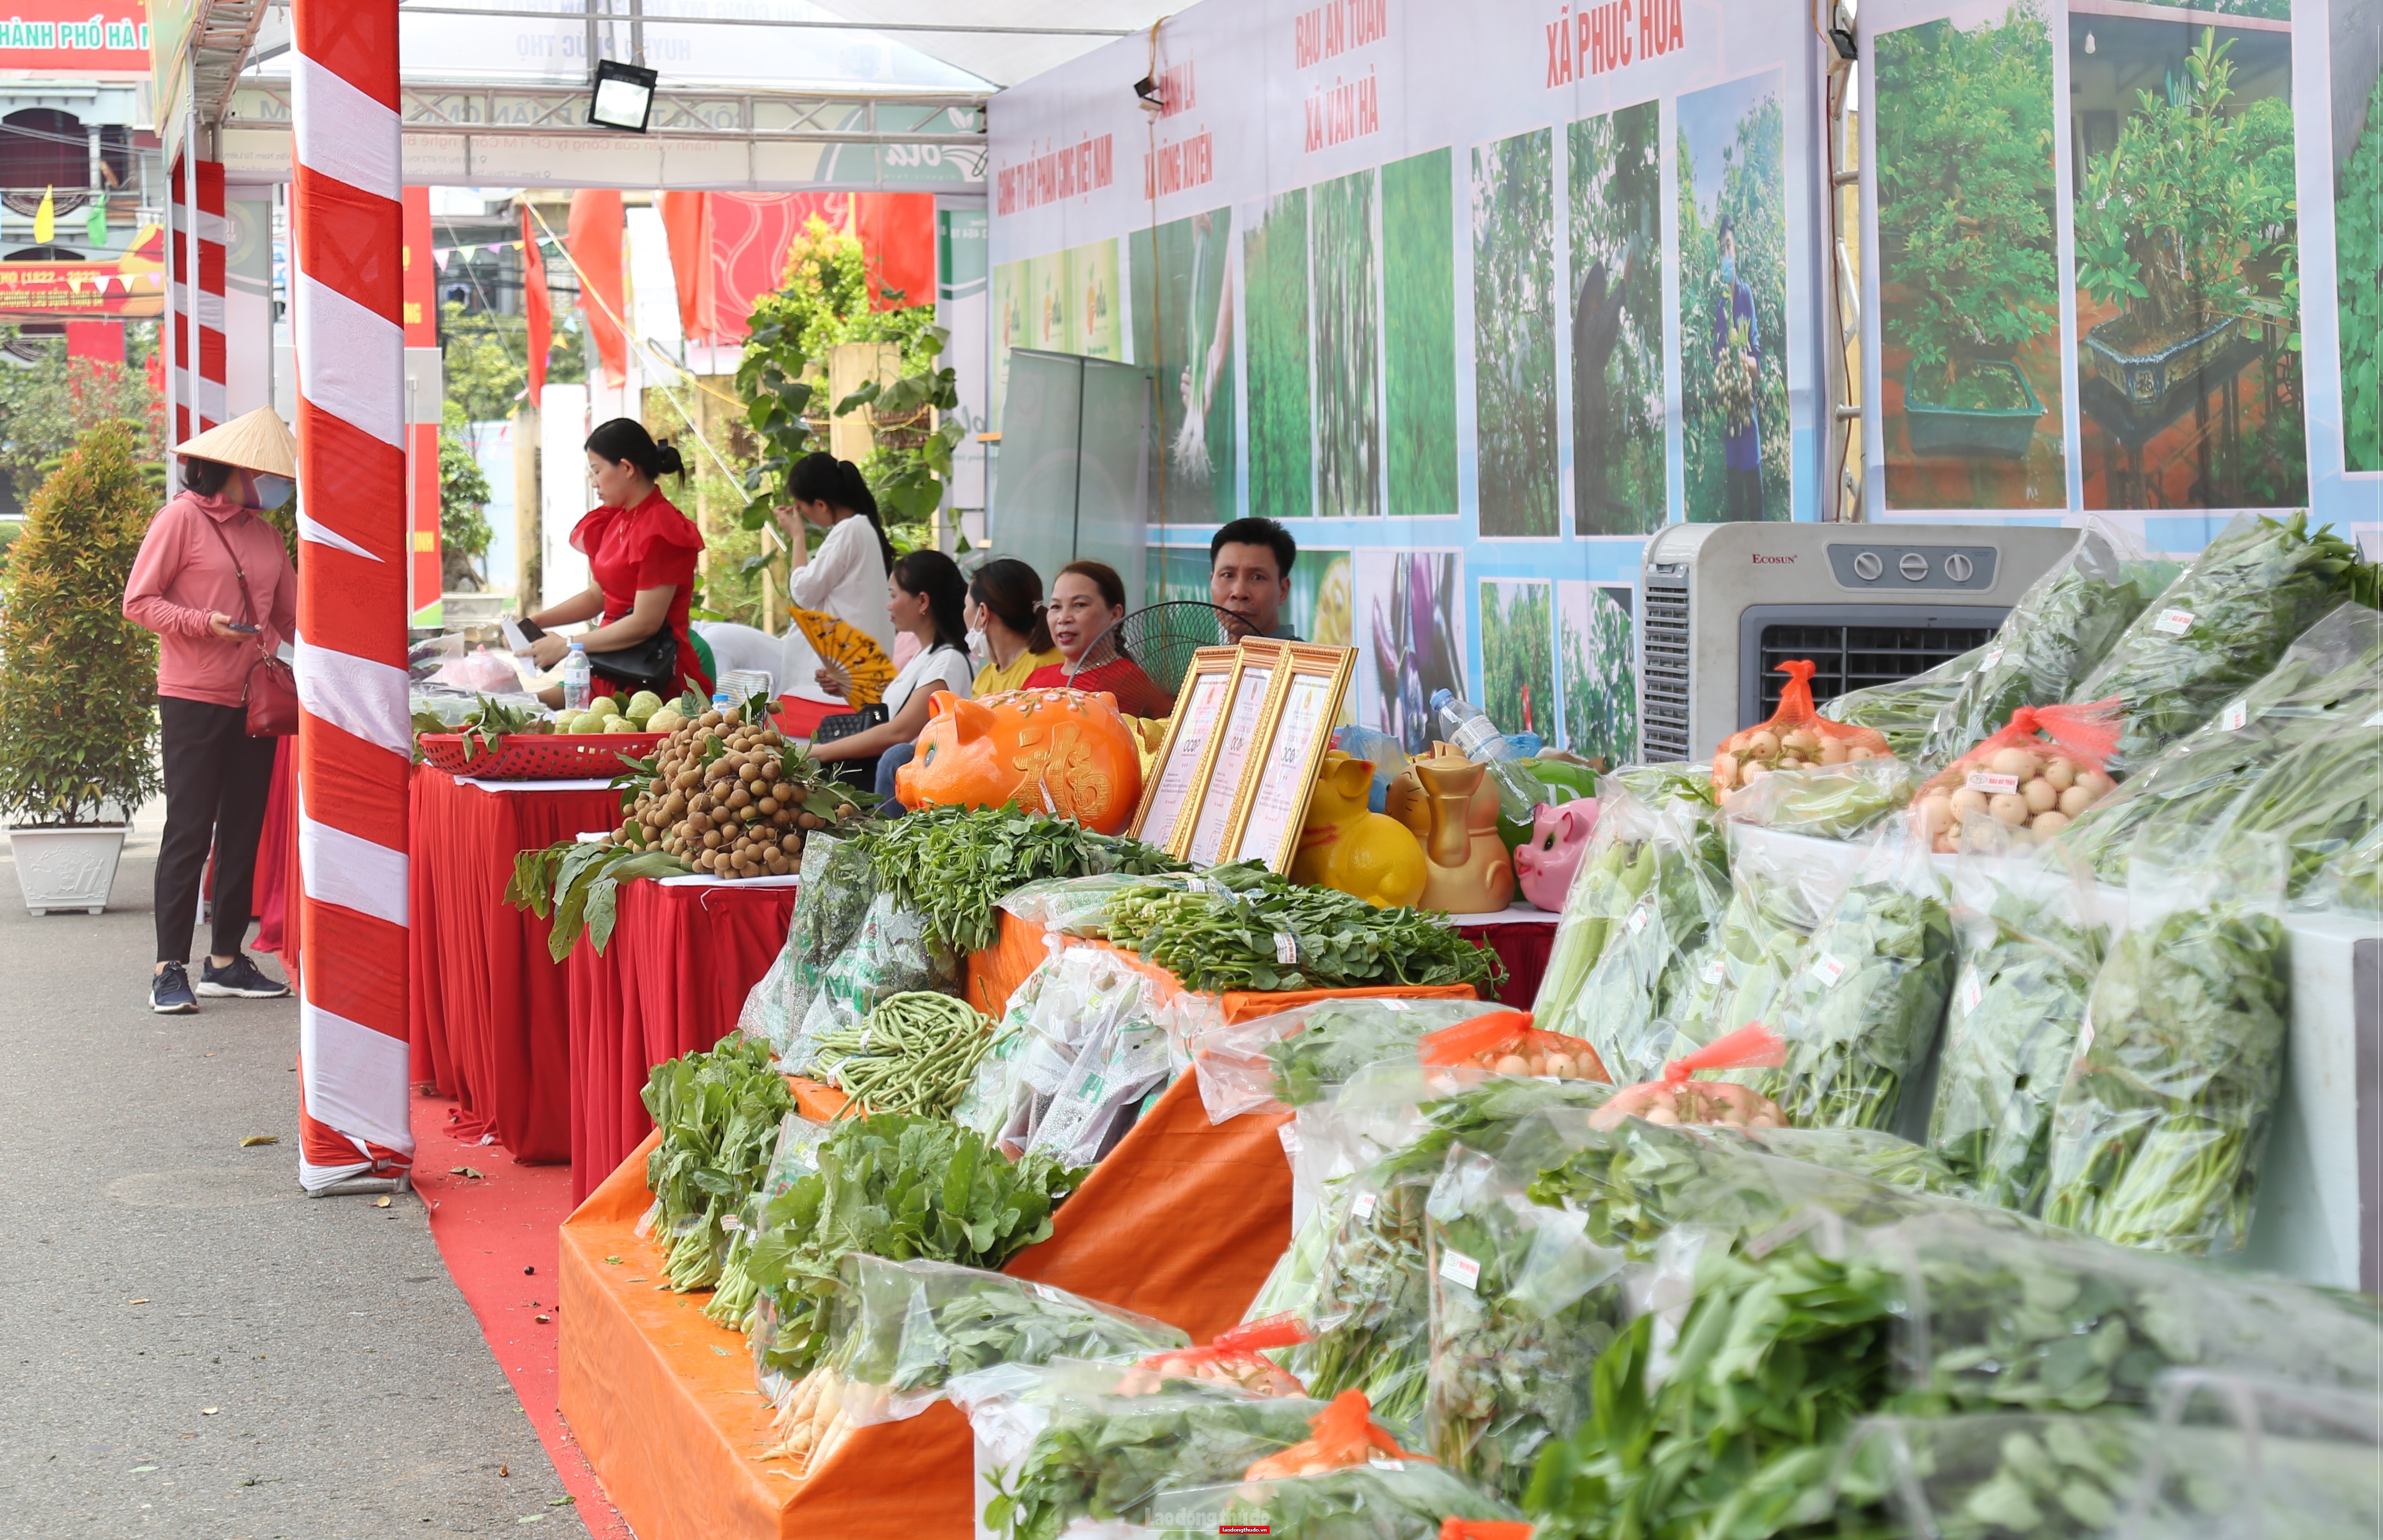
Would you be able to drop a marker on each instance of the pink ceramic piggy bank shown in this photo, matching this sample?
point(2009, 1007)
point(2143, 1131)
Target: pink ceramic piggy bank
point(1544, 863)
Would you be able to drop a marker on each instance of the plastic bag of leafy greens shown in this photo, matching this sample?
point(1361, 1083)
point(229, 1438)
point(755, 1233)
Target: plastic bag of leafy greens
point(1102, 1094)
point(1619, 864)
point(2318, 799)
point(1079, 905)
point(1906, 710)
point(2029, 933)
point(916, 1324)
point(1678, 887)
point(1992, 1474)
point(2156, 1137)
point(2217, 628)
point(1059, 1444)
point(2332, 677)
point(889, 955)
point(2062, 627)
point(2278, 1459)
point(1088, 993)
point(1779, 888)
point(830, 905)
point(1996, 1316)
point(1860, 1013)
point(985, 1105)
point(1827, 801)
point(1872, 1152)
point(1522, 1304)
point(2351, 882)
point(1383, 1501)
point(1297, 1057)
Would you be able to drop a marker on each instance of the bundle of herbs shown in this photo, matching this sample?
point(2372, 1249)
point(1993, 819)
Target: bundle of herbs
point(897, 1188)
point(576, 884)
point(2156, 1136)
point(719, 1115)
point(2221, 626)
point(954, 865)
point(1643, 811)
point(2030, 943)
point(1276, 935)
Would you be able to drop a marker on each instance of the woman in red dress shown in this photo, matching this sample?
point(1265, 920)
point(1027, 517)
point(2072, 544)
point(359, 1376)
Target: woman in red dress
point(1087, 598)
point(641, 552)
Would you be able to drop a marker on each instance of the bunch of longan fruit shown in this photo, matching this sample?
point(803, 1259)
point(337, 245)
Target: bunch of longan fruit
point(741, 813)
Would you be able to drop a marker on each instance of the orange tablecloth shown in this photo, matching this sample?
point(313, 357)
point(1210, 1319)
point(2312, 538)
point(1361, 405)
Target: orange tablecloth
point(681, 961)
point(487, 1013)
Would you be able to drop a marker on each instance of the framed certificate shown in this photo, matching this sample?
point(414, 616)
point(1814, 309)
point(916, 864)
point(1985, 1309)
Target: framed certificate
point(1287, 754)
point(1198, 707)
point(1209, 811)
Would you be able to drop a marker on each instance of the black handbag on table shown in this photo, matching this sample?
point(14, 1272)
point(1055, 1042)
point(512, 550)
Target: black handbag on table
point(651, 664)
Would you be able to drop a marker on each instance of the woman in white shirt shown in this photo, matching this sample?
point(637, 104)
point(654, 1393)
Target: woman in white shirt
point(923, 597)
point(845, 578)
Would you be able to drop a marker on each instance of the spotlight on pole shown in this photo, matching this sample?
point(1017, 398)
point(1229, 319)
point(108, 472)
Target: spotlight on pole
point(622, 96)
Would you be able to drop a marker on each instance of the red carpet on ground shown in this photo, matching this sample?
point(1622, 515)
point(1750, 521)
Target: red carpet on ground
point(490, 1228)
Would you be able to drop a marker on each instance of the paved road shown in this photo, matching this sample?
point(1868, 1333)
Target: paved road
point(196, 1349)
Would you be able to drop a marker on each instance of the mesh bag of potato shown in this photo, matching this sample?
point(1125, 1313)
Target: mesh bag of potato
point(2027, 782)
point(1797, 735)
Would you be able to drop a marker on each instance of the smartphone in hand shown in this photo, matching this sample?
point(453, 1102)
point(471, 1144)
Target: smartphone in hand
point(243, 630)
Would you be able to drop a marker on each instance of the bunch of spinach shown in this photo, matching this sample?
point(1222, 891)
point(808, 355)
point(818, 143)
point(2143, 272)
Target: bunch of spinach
point(1276, 935)
point(719, 1115)
point(1860, 1013)
point(896, 1187)
point(1375, 1502)
point(577, 884)
point(2159, 1125)
point(2221, 626)
point(953, 865)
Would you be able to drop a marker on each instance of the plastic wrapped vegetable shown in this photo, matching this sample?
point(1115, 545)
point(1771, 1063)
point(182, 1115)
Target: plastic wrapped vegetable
point(1236, 1357)
point(1522, 1304)
point(1678, 887)
point(1827, 801)
point(1504, 1042)
point(1778, 894)
point(1677, 1098)
point(2352, 880)
point(834, 897)
point(889, 955)
point(2030, 941)
point(2156, 1136)
point(2027, 781)
point(2331, 678)
point(1373, 1501)
point(2319, 798)
point(1294, 1057)
point(1906, 711)
point(2219, 627)
point(1861, 1012)
point(1796, 734)
point(2063, 627)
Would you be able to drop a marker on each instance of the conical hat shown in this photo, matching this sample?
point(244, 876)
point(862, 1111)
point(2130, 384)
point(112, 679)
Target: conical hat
point(260, 441)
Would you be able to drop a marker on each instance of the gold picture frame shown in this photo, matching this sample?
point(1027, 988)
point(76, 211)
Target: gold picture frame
point(1173, 783)
point(1278, 776)
point(1200, 831)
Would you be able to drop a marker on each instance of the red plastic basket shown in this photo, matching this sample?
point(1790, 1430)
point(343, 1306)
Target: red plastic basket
point(539, 756)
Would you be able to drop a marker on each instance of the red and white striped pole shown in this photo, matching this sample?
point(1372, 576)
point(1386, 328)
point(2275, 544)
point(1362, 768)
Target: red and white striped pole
point(355, 744)
point(195, 199)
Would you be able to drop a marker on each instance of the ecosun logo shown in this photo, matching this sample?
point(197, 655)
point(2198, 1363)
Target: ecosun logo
point(1762, 560)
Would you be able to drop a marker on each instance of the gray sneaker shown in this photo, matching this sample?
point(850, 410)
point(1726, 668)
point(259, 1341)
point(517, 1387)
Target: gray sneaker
point(240, 978)
point(170, 992)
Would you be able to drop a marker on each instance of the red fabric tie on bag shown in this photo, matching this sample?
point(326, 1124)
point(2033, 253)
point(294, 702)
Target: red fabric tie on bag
point(1235, 1353)
point(1503, 1032)
point(1752, 1046)
point(1342, 1434)
point(1455, 1528)
point(2086, 735)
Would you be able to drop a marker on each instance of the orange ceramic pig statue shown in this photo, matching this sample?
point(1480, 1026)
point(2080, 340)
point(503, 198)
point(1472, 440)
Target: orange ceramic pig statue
point(1056, 751)
point(1344, 846)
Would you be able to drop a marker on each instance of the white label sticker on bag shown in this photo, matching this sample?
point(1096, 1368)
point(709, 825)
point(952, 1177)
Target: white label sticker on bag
point(2375, 721)
point(1384, 1462)
point(1717, 970)
point(2233, 717)
point(1459, 1269)
point(1991, 783)
point(2173, 622)
point(1993, 657)
point(1637, 919)
point(1396, 1006)
point(1974, 989)
point(1828, 970)
point(1364, 1207)
point(1286, 948)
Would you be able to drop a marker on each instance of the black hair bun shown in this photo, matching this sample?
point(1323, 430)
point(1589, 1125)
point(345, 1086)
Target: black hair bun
point(668, 461)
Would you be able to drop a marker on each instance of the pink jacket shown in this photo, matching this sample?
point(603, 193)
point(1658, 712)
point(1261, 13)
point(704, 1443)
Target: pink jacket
point(183, 574)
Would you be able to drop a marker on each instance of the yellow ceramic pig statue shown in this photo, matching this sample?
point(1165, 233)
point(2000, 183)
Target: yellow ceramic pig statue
point(1451, 802)
point(1344, 846)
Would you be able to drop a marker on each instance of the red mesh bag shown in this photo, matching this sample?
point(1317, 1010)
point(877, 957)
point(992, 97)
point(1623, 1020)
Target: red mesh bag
point(1344, 1434)
point(1677, 1098)
point(1797, 735)
point(2032, 778)
point(1504, 1042)
point(1234, 1356)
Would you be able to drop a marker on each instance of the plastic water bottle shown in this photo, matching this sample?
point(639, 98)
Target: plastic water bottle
point(576, 678)
point(1477, 737)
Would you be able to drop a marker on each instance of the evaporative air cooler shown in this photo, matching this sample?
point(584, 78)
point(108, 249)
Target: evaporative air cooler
point(1725, 604)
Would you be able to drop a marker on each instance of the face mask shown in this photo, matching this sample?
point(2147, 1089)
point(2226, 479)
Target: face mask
point(976, 646)
point(1729, 269)
point(271, 492)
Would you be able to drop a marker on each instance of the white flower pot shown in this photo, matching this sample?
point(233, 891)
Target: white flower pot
point(67, 868)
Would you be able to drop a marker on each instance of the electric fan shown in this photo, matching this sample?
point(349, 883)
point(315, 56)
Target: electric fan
point(1142, 659)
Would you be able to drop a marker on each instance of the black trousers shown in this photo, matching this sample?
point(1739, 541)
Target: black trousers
point(216, 779)
point(1745, 496)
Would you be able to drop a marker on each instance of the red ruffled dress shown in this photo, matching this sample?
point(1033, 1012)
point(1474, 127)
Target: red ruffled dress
point(1136, 694)
point(649, 546)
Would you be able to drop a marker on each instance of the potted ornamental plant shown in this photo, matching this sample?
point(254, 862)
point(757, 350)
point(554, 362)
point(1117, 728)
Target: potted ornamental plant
point(77, 681)
point(2188, 223)
point(1965, 213)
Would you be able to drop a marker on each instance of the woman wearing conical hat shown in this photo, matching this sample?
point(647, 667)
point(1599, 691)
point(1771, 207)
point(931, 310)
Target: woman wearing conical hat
point(214, 581)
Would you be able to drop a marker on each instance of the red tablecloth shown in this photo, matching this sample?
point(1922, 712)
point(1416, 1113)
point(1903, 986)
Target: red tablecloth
point(680, 963)
point(1523, 947)
point(488, 1015)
